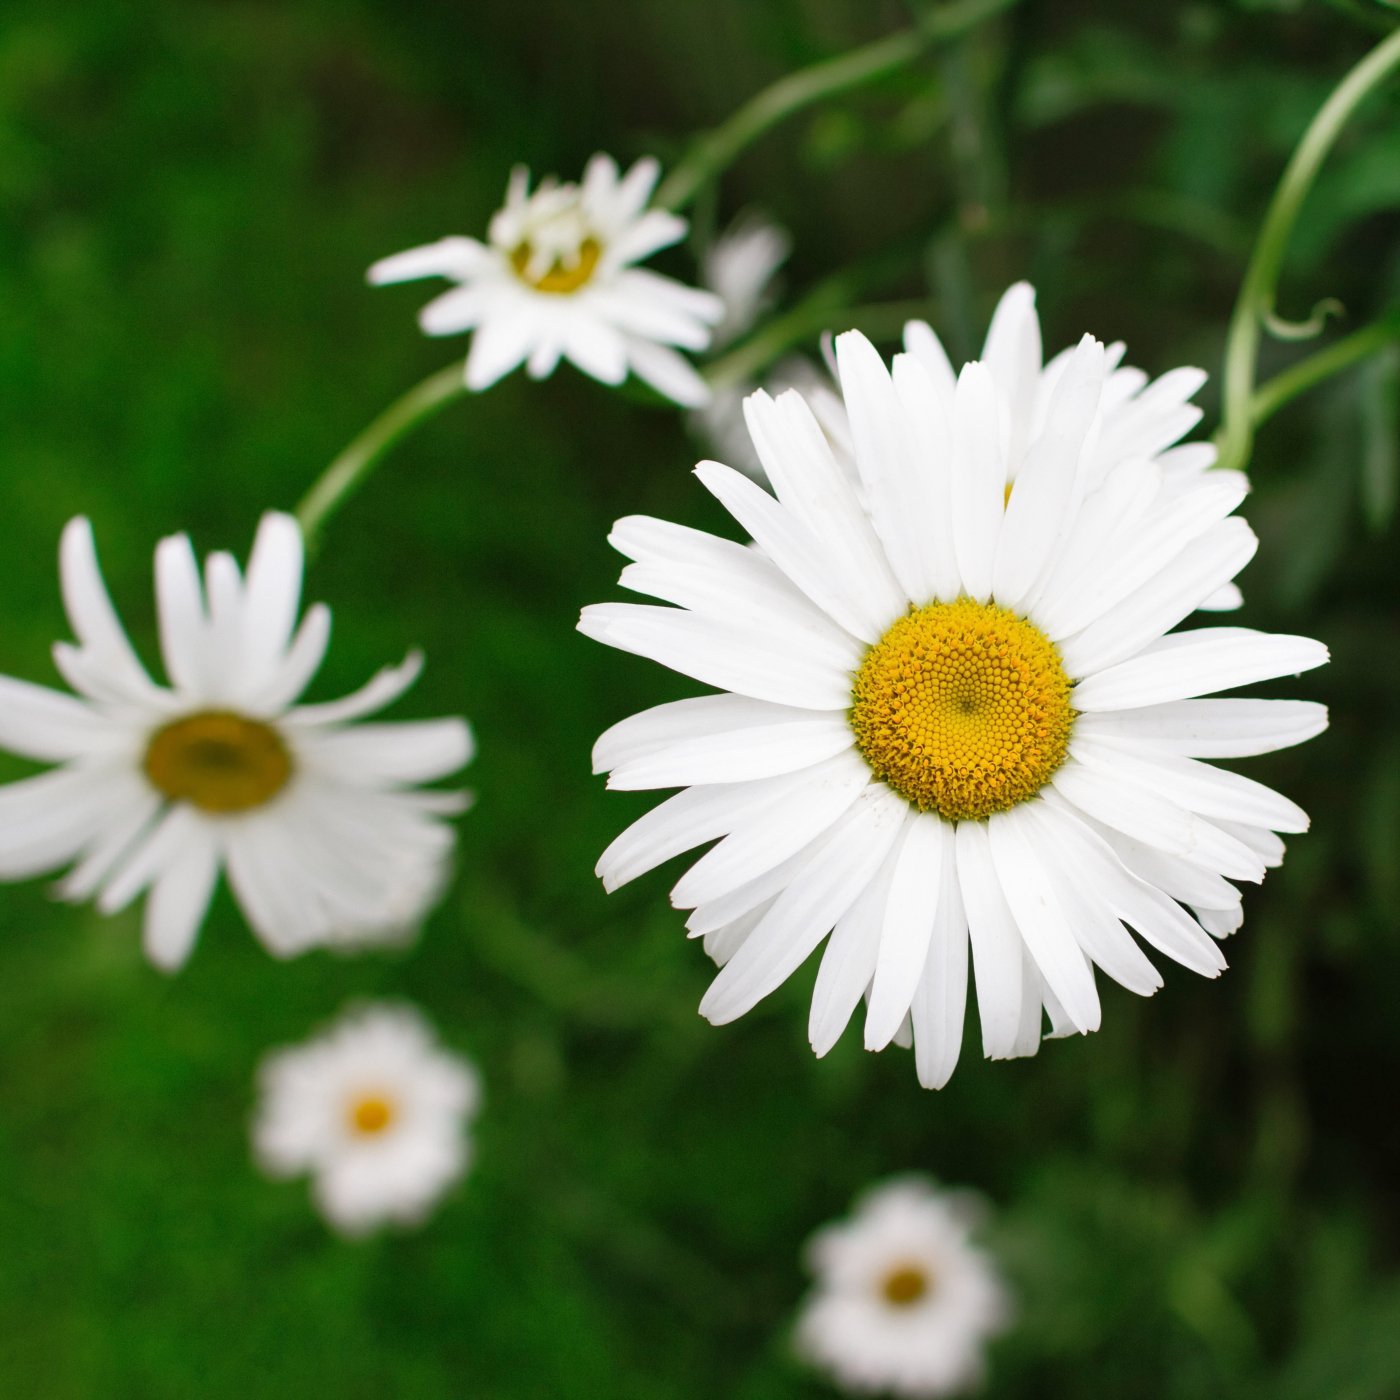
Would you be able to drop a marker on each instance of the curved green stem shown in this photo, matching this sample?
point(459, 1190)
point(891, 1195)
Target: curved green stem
point(361, 456)
point(716, 149)
point(1256, 298)
point(1306, 374)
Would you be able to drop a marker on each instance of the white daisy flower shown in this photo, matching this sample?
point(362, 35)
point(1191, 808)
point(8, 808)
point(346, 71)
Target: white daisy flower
point(375, 1111)
point(316, 821)
point(904, 1302)
point(954, 710)
point(556, 279)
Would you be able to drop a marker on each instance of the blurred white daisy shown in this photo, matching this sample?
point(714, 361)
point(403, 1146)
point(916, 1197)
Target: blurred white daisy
point(955, 712)
point(556, 279)
point(739, 267)
point(374, 1110)
point(316, 821)
point(904, 1301)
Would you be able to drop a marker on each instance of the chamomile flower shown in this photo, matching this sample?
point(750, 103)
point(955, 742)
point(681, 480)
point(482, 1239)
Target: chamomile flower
point(904, 1301)
point(374, 1111)
point(954, 715)
point(556, 279)
point(317, 822)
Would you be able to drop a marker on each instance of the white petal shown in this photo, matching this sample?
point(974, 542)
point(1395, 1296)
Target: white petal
point(47, 725)
point(597, 348)
point(180, 603)
point(670, 374)
point(765, 838)
point(729, 656)
point(461, 309)
point(1188, 664)
point(384, 687)
point(47, 820)
point(150, 860)
point(997, 949)
point(1095, 926)
point(1012, 354)
point(293, 672)
point(940, 1003)
point(500, 344)
point(837, 869)
point(1126, 807)
point(848, 963)
point(420, 751)
point(449, 257)
point(910, 912)
point(1160, 604)
point(272, 593)
point(1211, 728)
point(1040, 918)
point(179, 899)
point(921, 341)
point(978, 481)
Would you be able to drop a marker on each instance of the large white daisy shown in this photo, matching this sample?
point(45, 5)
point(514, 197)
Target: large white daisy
point(955, 713)
point(904, 1300)
point(315, 820)
point(374, 1110)
point(556, 279)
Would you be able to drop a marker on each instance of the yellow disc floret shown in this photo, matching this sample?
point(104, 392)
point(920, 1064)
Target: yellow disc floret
point(219, 761)
point(905, 1285)
point(562, 275)
point(963, 709)
point(371, 1115)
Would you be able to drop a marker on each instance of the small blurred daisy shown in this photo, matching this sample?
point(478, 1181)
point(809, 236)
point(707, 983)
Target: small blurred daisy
point(316, 821)
point(556, 280)
point(904, 1301)
point(954, 713)
point(374, 1110)
point(739, 267)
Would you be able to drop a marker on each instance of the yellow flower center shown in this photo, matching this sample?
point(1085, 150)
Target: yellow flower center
point(560, 276)
point(219, 761)
point(371, 1115)
point(963, 709)
point(905, 1285)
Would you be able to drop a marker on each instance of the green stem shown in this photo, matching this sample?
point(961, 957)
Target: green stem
point(1306, 374)
point(358, 459)
point(1256, 299)
point(715, 150)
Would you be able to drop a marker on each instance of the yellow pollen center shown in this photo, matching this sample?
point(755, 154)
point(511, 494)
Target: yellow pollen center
point(963, 709)
point(218, 761)
point(371, 1115)
point(559, 277)
point(905, 1285)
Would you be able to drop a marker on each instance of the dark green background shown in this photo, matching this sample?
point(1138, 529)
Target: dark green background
point(1198, 1201)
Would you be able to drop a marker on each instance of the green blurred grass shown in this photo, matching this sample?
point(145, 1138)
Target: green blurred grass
point(1197, 1201)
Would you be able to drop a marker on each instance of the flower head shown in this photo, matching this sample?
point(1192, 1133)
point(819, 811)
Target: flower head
point(556, 279)
point(317, 822)
point(954, 714)
point(374, 1110)
point(904, 1302)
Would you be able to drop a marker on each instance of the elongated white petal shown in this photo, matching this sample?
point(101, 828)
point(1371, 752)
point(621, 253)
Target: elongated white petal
point(405, 753)
point(978, 481)
point(997, 948)
point(1187, 664)
point(910, 912)
point(799, 813)
point(1126, 807)
point(940, 1002)
point(179, 899)
point(1211, 728)
point(839, 867)
point(382, 689)
point(728, 655)
point(44, 724)
point(1040, 918)
point(180, 604)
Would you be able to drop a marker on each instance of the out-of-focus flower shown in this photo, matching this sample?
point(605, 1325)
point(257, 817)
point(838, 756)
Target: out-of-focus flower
point(374, 1110)
point(954, 710)
point(556, 279)
point(739, 268)
point(904, 1302)
point(317, 822)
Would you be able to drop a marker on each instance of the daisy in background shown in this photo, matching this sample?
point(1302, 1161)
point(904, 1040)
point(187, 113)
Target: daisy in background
point(556, 279)
point(317, 822)
point(374, 1110)
point(954, 716)
point(904, 1301)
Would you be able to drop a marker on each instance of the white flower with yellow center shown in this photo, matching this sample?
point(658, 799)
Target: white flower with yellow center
point(556, 279)
point(904, 1301)
point(375, 1111)
point(955, 714)
point(316, 821)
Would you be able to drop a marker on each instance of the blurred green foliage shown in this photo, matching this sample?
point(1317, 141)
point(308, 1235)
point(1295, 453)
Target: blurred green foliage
point(1198, 1201)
